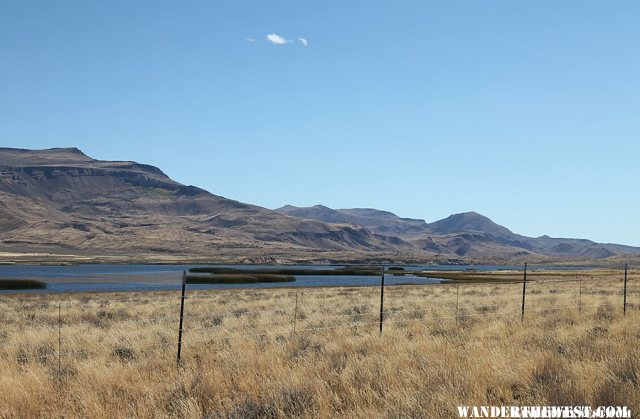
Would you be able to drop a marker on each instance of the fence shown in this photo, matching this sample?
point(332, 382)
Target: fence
point(135, 325)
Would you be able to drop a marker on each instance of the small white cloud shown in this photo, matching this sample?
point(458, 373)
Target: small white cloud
point(276, 39)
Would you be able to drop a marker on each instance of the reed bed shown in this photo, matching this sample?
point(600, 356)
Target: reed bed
point(21, 284)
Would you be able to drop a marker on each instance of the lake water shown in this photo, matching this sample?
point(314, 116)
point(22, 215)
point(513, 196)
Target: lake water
point(122, 278)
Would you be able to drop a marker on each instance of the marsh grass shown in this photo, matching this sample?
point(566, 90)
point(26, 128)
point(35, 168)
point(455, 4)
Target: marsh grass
point(347, 270)
point(239, 278)
point(472, 276)
point(241, 358)
point(21, 284)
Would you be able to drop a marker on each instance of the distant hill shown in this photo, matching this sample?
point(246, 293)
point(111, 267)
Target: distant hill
point(466, 235)
point(468, 221)
point(382, 222)
point(60, 200)
point(63, 202)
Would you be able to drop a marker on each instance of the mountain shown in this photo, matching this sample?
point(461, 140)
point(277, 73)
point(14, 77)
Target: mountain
point(60, 204)
point(381, 222)
point(466, 235)
point(468, 221)
point(63, 201)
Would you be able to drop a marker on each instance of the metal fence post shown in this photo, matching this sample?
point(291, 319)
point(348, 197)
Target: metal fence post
point(295, 315)
point(457, 300)
point(624, 302)
point(524, 291)
point(580, 297)
point(184, 282)
point(381, 299)
point(59, 334)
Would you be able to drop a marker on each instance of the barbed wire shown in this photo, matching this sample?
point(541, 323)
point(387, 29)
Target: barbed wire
point(87, 353)
point(463, 300)
point(358, 324)
point(288, 322)
point(390, 315)
point(308, 329)
point(291, 291)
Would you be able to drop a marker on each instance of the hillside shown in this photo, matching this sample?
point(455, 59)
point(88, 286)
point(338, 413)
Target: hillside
point(382, 222)
point(61, 200)
point(465, 235)
point(62, 203)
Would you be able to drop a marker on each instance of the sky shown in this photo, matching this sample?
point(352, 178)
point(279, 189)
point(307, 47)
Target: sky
point(525, 111)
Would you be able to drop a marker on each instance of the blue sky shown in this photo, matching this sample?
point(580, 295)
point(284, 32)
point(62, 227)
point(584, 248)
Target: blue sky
point(525, 111)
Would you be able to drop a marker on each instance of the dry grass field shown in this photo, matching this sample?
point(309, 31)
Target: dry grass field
point(442, 346)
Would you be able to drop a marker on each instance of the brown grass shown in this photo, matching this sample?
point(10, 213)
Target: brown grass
point(517, 276)
point(242, 360)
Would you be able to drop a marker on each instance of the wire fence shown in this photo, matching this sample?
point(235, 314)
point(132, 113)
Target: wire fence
point(50, 329)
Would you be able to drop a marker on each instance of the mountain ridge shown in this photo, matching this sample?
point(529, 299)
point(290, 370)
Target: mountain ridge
point(461, 234)
point(62, 201)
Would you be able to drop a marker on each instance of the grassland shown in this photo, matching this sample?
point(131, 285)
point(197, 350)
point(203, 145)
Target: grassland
point(442, 346)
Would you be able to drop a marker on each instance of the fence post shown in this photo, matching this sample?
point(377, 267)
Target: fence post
point(524, 291)
point(457, 299)
point(184, 282)
point(624, 302)
point(381, 299)
point(580, 297)
point(295, 315)
point(59, 334)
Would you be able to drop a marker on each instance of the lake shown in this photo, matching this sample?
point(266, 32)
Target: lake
point(141, 277)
